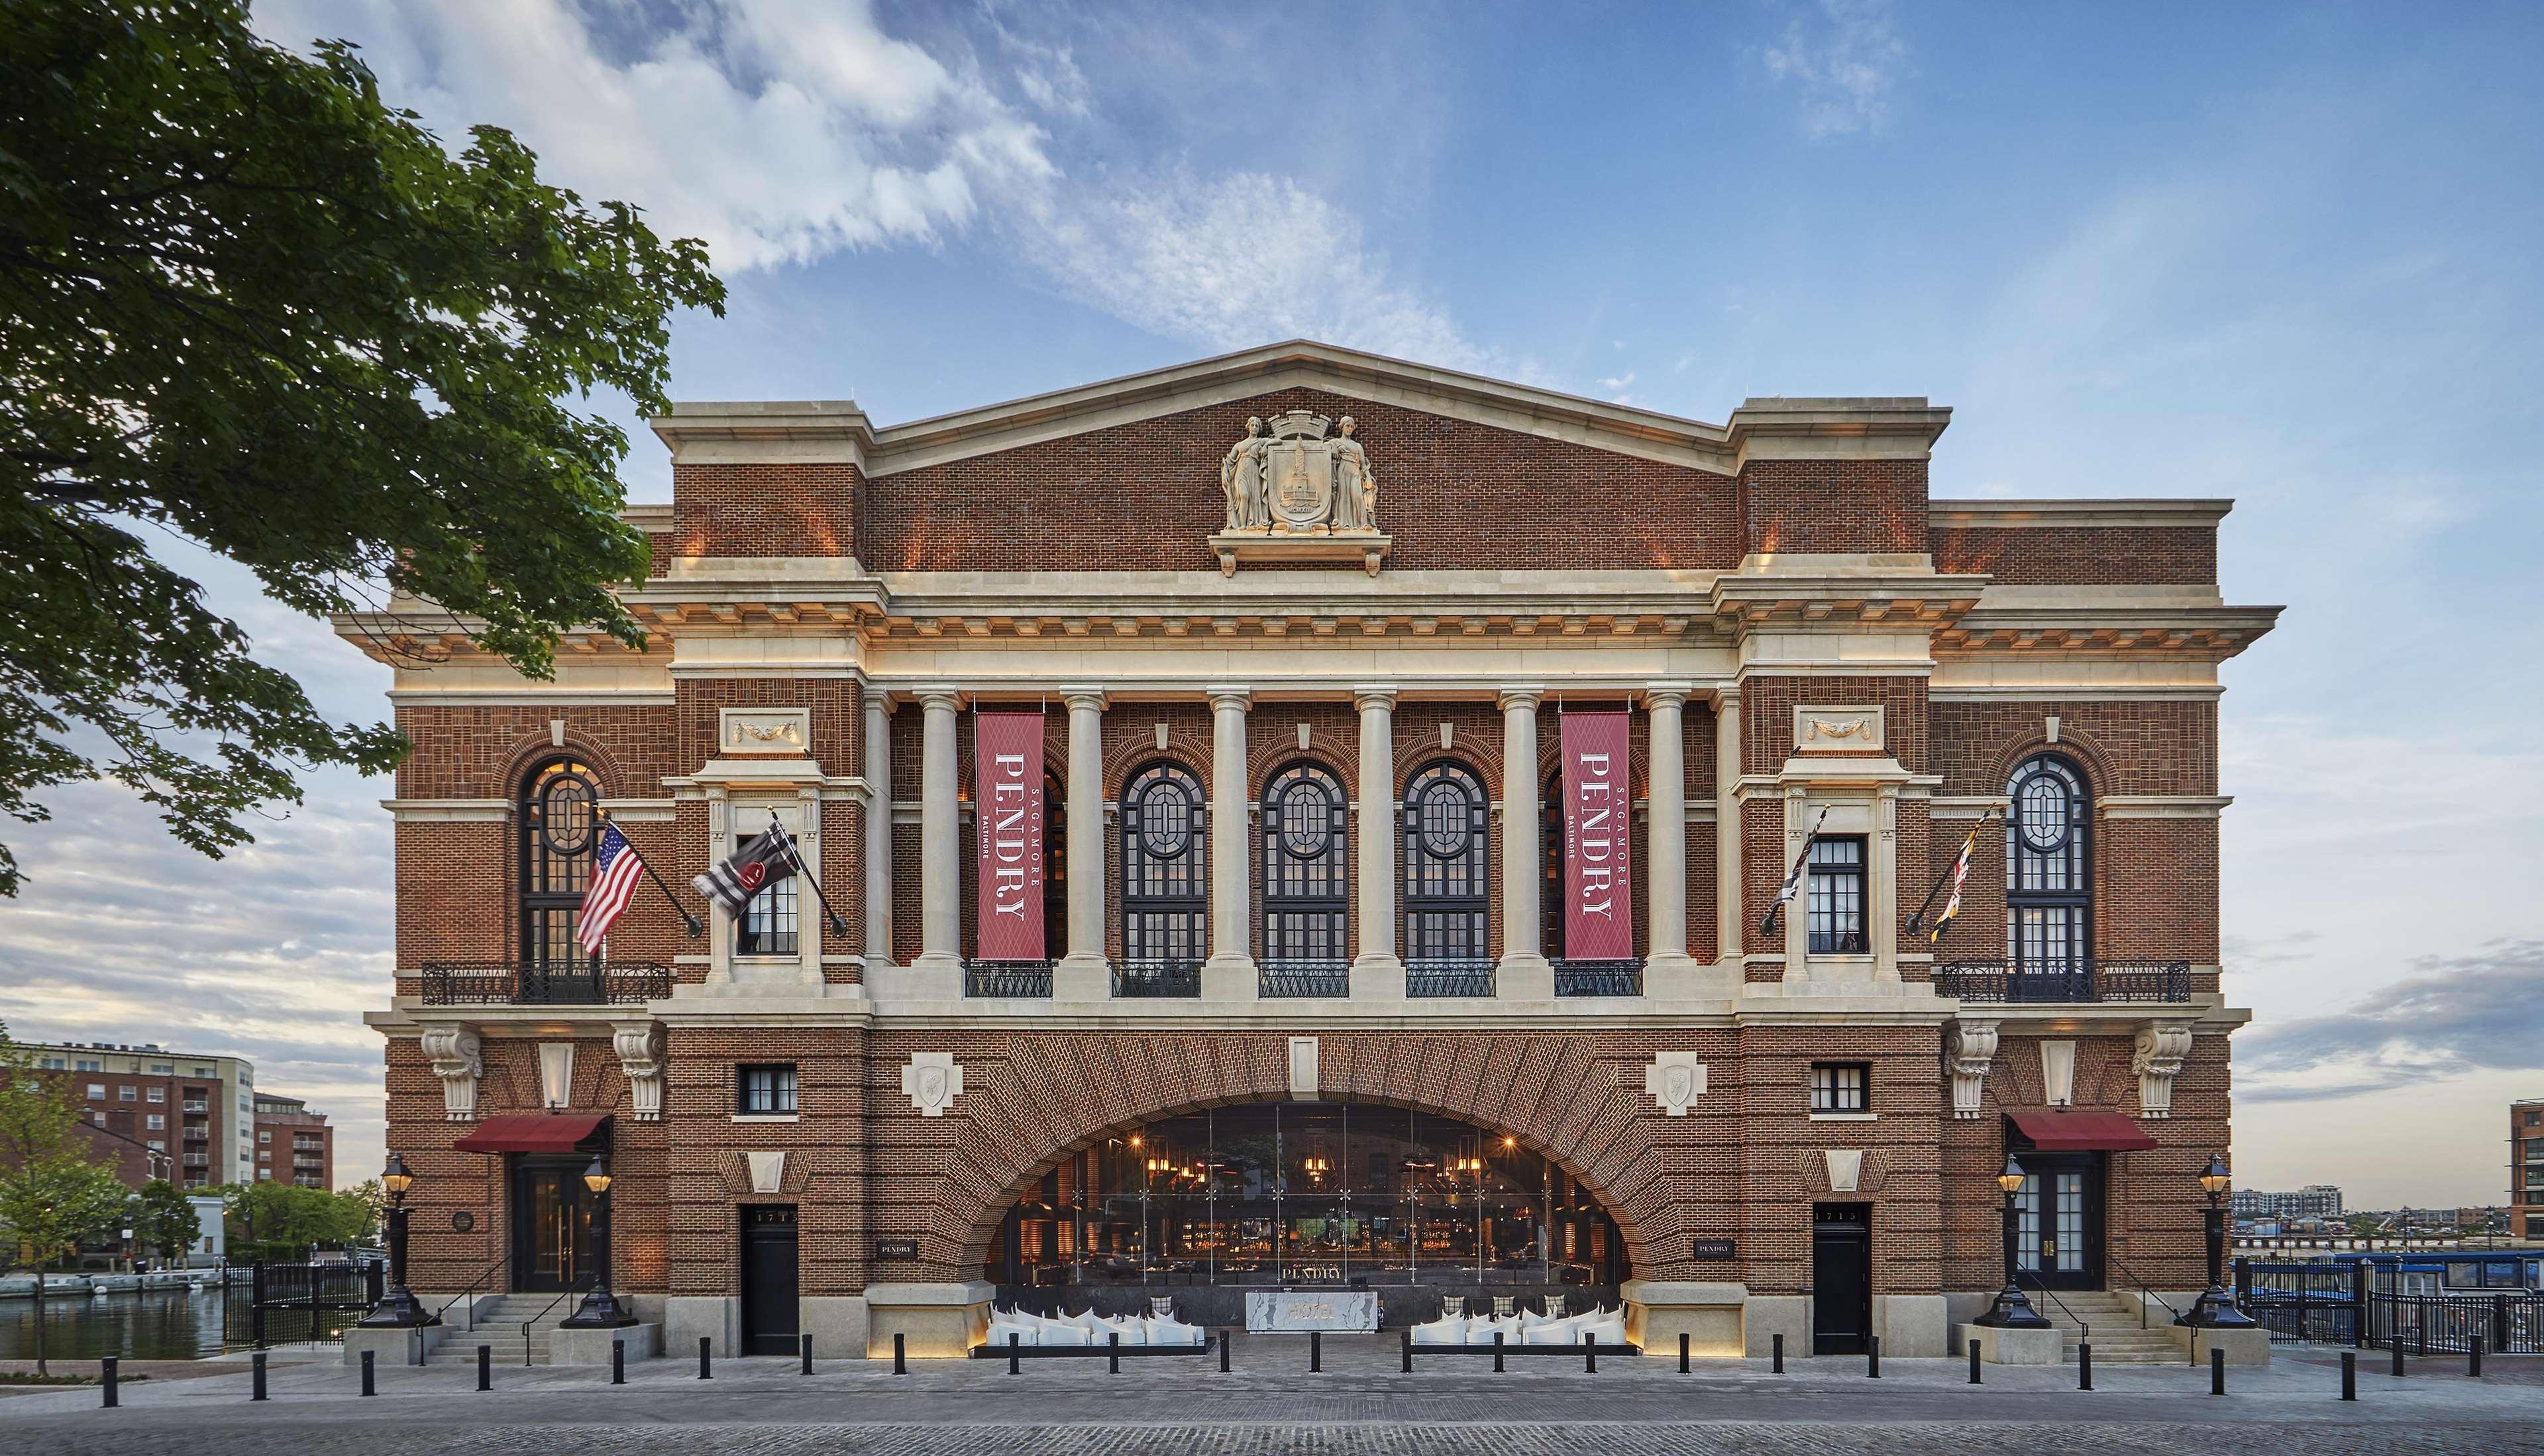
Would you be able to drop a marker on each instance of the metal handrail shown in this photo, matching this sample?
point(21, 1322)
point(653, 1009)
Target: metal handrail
point(2067, 981)
point(471, 1316)
point(1008, 978)
point(1599, 977)
point(583, 1286)
point(1303, 975)
point(2143, 1288)
point(1449, 975)
point(532, 983)
point(2084, 1332)
point(1167, 977)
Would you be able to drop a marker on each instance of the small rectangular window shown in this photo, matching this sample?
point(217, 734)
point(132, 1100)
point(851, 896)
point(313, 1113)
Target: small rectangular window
point(127, 1094)
point(157, 1095)
point(1836, 896)
point(767, 924)
point(157, 1122)
point(97, 1091)
point(265, 1135)
point(767, 1090)
point(1841, 1087)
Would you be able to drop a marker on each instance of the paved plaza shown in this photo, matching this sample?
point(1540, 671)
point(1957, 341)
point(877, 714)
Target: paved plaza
point(1270, 1403)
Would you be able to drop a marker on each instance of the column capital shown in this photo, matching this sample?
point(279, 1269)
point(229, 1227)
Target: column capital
point(1521, 697)
point(1091, 699)
point(1228, 696)
point(1367, 696)
point(881, 700)
point(1666, 694)
point(1727, 696)
point(942, 695)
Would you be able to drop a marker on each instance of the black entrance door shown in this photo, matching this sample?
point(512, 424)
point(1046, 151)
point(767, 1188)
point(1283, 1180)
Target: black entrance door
point(2058, 1220)
point(1841, 1277)
point(552, 1234)
point(768, 1303)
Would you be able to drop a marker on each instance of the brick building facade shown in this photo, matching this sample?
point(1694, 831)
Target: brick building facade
point(153, 1113)
point(295, 1145)
point(1300, 973)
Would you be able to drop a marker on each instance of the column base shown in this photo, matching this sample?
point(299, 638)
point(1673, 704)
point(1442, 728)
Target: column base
point(1231, 978)
point(1524, 977)
point(1685, 978)
point(1081, 977)
point(934, 977)
point(1379, 978)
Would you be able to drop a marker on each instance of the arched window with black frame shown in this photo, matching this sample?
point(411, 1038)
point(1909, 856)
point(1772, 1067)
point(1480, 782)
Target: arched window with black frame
point(2048, 876)
point(558, 816)
point(1307, 905)
point(1165, 883)
point(1447, 883)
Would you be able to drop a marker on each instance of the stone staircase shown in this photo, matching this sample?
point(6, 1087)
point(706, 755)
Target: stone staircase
point(499, 1324)
point(2117, 1337)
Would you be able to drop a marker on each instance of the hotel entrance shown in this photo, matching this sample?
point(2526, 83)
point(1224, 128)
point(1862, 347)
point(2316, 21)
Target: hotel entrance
point(554, 1237)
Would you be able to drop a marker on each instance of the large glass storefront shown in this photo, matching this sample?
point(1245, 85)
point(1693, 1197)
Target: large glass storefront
point(1293, 1194)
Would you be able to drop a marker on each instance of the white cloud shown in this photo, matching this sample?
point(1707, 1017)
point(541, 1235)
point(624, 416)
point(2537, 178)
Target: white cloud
point(1844, 62)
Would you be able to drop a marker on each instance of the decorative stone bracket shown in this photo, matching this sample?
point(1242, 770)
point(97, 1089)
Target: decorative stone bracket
point(454, 1052)
point(1969, 1047)
point(933, 1081)
point(2156, 1058)
point(640, 1054)
point(1674, 1081)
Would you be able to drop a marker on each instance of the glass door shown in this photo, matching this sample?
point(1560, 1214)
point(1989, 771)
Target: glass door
point(2058, 1220)
point(551, 1224)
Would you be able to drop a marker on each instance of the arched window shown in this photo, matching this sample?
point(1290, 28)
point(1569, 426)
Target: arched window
point(1165, 878)
point(2049, 871)
point(1305, 901)
point(1445, 877)
point(558, 815)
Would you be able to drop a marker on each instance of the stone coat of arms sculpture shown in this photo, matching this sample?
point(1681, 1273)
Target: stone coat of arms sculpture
point(1294, 494)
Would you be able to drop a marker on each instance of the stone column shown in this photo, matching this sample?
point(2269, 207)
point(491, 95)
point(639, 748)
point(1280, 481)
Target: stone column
point(1726, 826)
point(1377, 972)
point(1228, 974)
point(941, 849)
point(878, 848)
point(1525, 973)
point(1666, 967)
point(1083, 973)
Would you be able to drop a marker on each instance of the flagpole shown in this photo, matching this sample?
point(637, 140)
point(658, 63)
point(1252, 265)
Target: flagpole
point(1968, 842)
point(696, 927)
point(838, 927)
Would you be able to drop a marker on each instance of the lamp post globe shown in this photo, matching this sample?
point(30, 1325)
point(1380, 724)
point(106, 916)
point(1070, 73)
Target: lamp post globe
point(2013, 1309)
point(398, 1308)
point(601, 1309)
point(2216, 1308)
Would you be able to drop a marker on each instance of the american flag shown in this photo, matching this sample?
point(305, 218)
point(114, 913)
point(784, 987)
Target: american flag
point(614, 871)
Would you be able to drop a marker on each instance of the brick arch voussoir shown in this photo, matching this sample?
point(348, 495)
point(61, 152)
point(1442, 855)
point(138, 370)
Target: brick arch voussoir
point(615, 781)
point(2083, 749)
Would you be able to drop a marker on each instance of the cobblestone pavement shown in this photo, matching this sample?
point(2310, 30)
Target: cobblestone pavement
point(1270, 1404)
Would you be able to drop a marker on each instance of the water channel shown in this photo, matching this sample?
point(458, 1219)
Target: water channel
point(143, 1324)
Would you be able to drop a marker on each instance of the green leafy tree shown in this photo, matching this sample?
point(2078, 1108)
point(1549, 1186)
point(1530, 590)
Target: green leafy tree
point(39, 1119)
point(285, 1220)
point(46, 1207)
point(164, 1221)
point(246, 302)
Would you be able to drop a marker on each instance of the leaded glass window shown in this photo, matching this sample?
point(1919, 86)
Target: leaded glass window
point(1306, 897)
point(2048, 870)
point(1445, 869)
point(1165, 879)
point(558, 816)
point(1836, 896)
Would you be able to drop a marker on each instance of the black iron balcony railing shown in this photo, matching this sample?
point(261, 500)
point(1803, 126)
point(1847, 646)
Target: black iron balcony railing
point(1444, 976)
point(2064, 981)
point(1015, 977)
point(514, 983)
point(1162, 979)
point(1298, 976)
point(1598, 978)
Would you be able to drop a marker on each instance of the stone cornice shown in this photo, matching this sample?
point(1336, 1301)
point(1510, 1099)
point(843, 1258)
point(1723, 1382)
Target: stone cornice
point(2074, 514)
point(2211, 633)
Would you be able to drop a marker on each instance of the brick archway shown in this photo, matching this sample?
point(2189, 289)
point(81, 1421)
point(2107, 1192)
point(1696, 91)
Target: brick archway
point(1055, 1095)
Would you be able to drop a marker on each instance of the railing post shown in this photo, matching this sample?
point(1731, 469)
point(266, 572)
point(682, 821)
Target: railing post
point(367, 1388)
point(106, 1378)
point(2244, 1285)
point(618, 1362)
point(2358, 1303)
point(256, 1293)
point(256, 1390)
point(2501, 1325)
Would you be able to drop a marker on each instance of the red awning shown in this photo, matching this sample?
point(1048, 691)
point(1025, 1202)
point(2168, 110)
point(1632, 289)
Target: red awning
point(546, 1132)
point(2072, 1130)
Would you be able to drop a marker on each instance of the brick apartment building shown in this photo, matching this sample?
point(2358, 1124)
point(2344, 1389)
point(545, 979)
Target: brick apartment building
point(183, 1116)
point(2526, 1166)
point(1308, 955)
point(294, 1144)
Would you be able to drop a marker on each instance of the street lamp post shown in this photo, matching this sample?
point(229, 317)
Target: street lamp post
point(399, 1308)
point(2011, 1310)
point(2215, 1309)
point(601, 1309)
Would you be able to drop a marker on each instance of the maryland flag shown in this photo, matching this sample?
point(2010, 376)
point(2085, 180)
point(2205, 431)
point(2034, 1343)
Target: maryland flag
point(1959, 876)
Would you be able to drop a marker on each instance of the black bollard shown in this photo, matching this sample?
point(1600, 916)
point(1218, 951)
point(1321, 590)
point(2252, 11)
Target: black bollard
point(1406, 1336)
point(2349, 1375)
point(1974, 1362)
point(1316, 1352)
point(2398, 1355)
point(1015, 1361)
point(618, 1362)
point(106, 1378)
point(2473, 1358)
point(1113, 1353)
point(706, 1357)
point(900, 1353)
point(1682, 1353)
point(1779, 1348)
point(485, 1367)
point(1873, 1356)
point(2085, 1366)
point(2216, 1371)
point(1499, 1337)
point(1589, 1354)
point(257, 1390)
point(367, 1388)
point(804, 1366)
point(1226, 1337)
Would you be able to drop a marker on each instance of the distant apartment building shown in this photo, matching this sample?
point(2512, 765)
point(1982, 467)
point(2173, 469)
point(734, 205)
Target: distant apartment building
point(2525, 1166)
point(2314, 1201)
point(294, 1144)
point(184, 1116)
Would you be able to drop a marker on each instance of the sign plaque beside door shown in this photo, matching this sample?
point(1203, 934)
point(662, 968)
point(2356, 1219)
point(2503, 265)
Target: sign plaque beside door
point(1714, 1249)
point(895, 1249)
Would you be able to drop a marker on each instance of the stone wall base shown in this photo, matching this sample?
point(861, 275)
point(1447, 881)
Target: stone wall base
point(393, 1347)
point(936, 1322)
point(591, 1347)
point(1769, 1315)
point(688, 1318)
point(1658, 1312)
point(2010, 1347)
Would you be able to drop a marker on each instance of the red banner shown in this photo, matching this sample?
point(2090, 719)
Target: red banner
point(1006, 782)
point(1598, 840)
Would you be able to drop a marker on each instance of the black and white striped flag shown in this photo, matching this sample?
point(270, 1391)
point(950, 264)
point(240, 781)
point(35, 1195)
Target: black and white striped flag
point(765, 857)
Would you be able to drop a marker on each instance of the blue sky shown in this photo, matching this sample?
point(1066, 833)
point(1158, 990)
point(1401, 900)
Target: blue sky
point(2284, 254)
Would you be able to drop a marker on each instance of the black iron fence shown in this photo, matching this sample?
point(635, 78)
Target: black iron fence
point(1448, 977)
point(2435, 1324)
point(1291, 975)
point(298, 1303)
point(1164, 979)
point(1598, 978)
point(1010, 978)
point(530, 983)
point(2357, 1303)
point(2064, 981)
point(2302, 1303)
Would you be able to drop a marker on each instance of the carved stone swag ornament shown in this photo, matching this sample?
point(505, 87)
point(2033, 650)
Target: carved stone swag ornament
point(1292, 493)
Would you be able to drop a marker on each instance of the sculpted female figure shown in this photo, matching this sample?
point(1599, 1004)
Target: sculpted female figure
point(1354, 488)
point(1241, 478)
